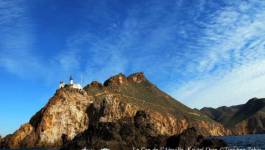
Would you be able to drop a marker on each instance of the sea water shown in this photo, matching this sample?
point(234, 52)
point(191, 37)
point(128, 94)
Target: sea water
point(256, 141)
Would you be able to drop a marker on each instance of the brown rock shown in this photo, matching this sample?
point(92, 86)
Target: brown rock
point(65, 113)
point(117, 80)
point(137, 132)
point(95, 85)
point(137, 77)
point(122, 134)
point(188, 138)
point(242, 119)
point(15, 140)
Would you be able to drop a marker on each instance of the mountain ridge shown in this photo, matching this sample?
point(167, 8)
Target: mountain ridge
point(248, 118)
point(68, 113)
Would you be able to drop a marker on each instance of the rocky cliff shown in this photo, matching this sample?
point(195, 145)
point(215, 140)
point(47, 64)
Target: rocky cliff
point(248, 118)
point(69, 112)
point(136, 132)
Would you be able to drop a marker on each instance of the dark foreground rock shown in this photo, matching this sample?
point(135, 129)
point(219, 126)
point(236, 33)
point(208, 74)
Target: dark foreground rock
point(189, 138)
point(123, 134)
point(136, 132)
point(213, 143)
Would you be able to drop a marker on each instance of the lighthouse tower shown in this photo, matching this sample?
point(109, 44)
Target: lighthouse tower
point(71, 80)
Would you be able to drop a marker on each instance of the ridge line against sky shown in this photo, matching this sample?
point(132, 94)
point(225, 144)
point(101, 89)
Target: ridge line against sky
point(204, 53)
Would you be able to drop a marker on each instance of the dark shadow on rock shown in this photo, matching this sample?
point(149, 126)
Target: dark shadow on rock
point(212, 143)
point(188, 138)
point(134, 132)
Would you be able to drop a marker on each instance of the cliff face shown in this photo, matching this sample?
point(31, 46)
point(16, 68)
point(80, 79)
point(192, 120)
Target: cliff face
point(243, 119)
point(135, 133)
point(70, 112)
point(65, 113)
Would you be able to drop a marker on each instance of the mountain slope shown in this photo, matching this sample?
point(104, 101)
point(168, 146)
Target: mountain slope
point(248, 118)
point(69, 112)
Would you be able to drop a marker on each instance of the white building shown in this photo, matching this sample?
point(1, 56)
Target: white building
point(61, 85)
point(71, 84)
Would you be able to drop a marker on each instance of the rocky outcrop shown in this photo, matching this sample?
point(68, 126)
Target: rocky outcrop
point(252, 125)
point(117, 80)
point(70, 112)
point(136, 132)
point(190, 138)
point(243, 119)
point(65, 113)
point(125, 133)
point(16, 140)
point(137, 77)
point(95, 85)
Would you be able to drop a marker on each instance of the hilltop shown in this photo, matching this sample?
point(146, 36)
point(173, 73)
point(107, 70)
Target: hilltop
point(70, 112)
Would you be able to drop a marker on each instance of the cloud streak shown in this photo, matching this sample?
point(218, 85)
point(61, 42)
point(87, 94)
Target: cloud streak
point(199, 52)
point(231, 69)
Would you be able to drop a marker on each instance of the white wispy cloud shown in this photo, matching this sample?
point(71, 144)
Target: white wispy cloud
point(16, 38)
point(231, 68)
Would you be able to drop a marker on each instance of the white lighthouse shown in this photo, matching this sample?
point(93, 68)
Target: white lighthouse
point(74, 85)
point(70, 84)
point(71, 80)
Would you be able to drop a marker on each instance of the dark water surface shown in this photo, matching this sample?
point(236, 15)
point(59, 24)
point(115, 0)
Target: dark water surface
point(246, 142)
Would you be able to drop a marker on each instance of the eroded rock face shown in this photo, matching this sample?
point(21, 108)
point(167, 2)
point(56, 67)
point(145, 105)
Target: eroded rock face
point(252, 125)
point(116, 108)
point(71, 112)
point(137, 77)
point(16, 140)
point(137, 132)
point(64, 114)
point(116, 80)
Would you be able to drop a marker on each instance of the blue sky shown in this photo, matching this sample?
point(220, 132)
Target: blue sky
point(202, 52)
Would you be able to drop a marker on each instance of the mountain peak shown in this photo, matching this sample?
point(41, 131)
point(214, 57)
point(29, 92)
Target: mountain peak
point(137, 77)
point(121, 79)
point(116, 80)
